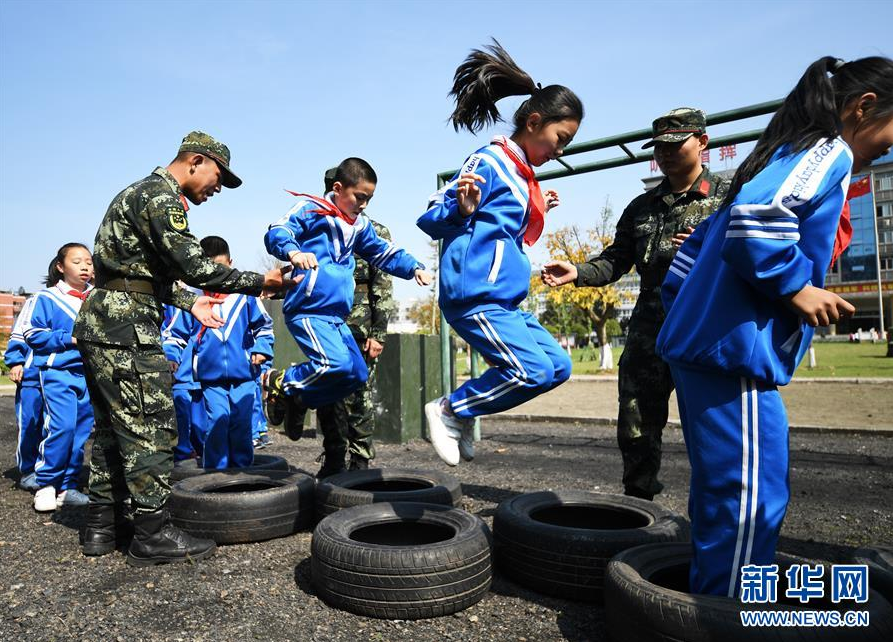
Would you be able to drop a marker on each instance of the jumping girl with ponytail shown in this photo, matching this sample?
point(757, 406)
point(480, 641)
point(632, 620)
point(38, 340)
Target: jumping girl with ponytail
point(743, 296)
point(492, 206)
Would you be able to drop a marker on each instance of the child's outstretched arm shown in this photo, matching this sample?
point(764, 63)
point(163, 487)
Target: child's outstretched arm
point(450, 208)
point(387, 257)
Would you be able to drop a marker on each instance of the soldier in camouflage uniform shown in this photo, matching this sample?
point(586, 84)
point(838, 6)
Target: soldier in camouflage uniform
point(143, 245)
point(347, 425)
point(650, 230)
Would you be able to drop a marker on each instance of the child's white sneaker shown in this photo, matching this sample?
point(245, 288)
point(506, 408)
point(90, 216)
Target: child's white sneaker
point(443, 434)
point(45, 499)
point(71, 497)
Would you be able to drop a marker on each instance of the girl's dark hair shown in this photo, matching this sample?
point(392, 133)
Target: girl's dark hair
point(214, 246)
point(812, 110)
point(487, 76)
point(54, 274)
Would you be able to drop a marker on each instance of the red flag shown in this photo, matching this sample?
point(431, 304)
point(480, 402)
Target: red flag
point(859, 188)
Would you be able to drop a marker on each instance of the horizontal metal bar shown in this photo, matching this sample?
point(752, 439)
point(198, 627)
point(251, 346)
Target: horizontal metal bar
point(641, 134)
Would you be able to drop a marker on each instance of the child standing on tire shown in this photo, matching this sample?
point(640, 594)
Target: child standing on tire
point(743, 296)
point(68, 415)
point(224, 363)
point(482, 216)
point(319, 236)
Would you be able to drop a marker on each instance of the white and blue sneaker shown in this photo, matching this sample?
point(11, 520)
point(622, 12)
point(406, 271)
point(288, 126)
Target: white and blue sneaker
point(45, 499)
point(466, 441)
point(29, 482)
point(71, 497)
point(444, 430)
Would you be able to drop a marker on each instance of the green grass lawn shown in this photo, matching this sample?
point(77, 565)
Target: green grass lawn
point(832, 360)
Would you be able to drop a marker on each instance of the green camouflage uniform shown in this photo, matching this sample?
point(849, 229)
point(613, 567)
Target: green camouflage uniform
point(643, 239)
point(347, 425)
point(144, 238)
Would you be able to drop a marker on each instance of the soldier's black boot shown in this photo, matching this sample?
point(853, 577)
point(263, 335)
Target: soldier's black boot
point(107, 528)
point(275, 402)
point(358, 462)
point(157, 541)
point(332, 464)
point(295, 413)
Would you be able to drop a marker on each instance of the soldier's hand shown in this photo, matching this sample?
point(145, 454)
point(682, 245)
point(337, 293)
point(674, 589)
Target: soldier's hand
point(173, 365)
point(16, 373)
point(257, 359)
point(303, 260)
point(819, 307)
point(276, 281)
point(557, 273)
point(203, 311)
point(373, 348)
point(423, 277)
point(551, 198)
point(679, 239)
point(468, 193)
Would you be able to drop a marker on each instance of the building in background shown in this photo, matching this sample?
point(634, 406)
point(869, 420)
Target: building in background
point(401, 323)
point(10, 306)
point(855, 275)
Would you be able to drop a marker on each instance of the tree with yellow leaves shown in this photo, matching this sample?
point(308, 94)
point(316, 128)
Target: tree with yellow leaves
point(599, 304)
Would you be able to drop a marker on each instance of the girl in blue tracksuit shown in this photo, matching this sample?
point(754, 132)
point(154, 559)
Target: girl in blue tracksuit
point(742, 297)
point(318, 237)
point(68, 416)
point(178, 330)
point(29, 400)
point(224, 362)
point(482, 216)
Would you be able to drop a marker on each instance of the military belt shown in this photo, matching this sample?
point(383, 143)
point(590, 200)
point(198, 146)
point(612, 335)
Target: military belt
point(141, 286)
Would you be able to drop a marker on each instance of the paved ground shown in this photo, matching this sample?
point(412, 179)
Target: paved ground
point(841, 489)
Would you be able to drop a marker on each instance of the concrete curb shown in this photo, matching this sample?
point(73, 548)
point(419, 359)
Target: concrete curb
point(886, 431)
point(856, 380)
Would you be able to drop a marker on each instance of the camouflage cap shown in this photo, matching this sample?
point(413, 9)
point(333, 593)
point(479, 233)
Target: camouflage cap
point(677, 125)
point(202, 143)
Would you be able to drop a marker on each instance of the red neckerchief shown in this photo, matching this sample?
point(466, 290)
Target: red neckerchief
point(185, 204)
point(216, 297)
point(537, 219)
point(81, 295)
point(326, 208)
point(844, 233)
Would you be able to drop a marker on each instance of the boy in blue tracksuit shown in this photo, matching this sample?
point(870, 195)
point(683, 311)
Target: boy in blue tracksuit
point(259, 434)
point(742, 296)
point(487, 211)
point(224, 362)
point(319, 237)
point(29, 400)
point(68, 415)
point(178, 330)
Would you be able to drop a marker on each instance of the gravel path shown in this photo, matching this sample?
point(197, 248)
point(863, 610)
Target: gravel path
point(841, 489)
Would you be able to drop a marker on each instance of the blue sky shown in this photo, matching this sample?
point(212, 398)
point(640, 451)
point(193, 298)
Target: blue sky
point(94, 95)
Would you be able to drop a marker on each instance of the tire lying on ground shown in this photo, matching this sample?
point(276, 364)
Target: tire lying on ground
point(880, 568)
point(234, 507)
point(559, 542)
point(363, 487)
point(401, 560)
point(190, 468)
point(647, 600)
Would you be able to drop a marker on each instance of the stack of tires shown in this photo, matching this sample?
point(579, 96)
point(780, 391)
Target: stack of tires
point(392, 545)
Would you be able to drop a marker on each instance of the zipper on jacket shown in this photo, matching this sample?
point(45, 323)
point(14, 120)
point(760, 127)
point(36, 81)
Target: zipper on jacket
point(497, 261)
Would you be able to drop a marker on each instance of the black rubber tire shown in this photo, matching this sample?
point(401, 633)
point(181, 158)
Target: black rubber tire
point(363, 487)
point(638, 610)
point(880, 568)
point(261, 462)
point(407, 580)
point(235, 507)
point(557, 559)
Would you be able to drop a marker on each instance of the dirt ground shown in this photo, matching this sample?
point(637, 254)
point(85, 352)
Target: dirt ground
point(841, 489)
point(809, 403)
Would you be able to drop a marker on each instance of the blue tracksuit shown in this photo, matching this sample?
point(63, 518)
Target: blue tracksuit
point(259, 419)
point(222, 365)
point(178, 330)
point(68, 415)
point(29, 400)
point(730, 340)
point(484, 276)
point(315, 310)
